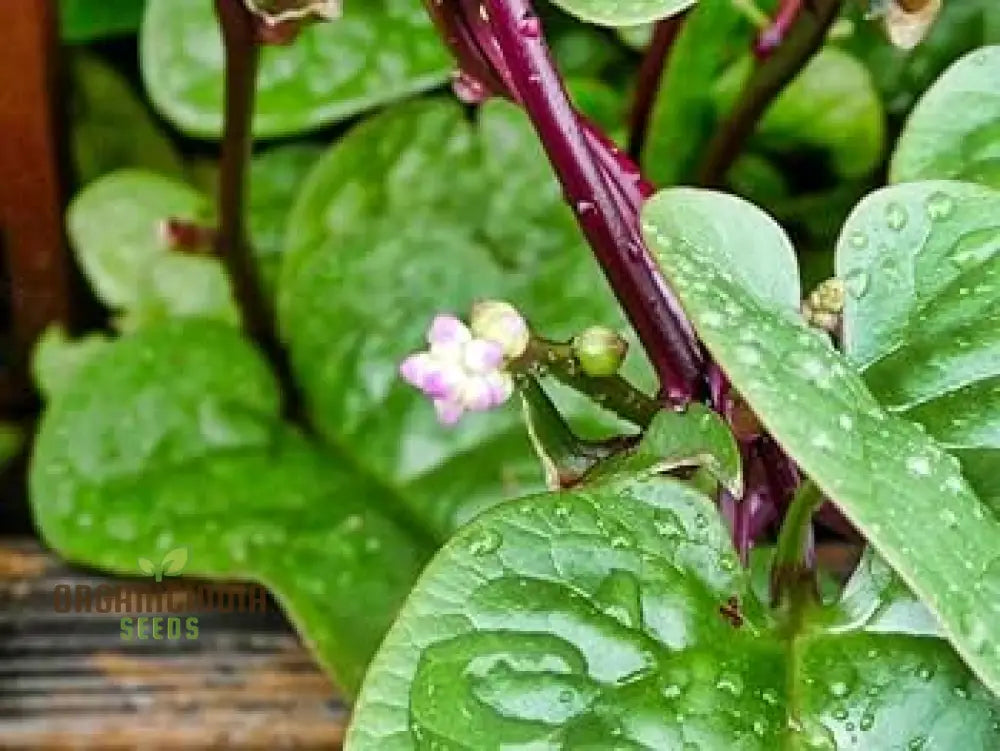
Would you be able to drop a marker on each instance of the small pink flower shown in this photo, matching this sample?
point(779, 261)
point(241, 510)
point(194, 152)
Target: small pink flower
point(461, 372)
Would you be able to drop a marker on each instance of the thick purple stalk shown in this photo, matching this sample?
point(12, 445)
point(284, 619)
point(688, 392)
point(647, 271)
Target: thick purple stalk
point(501, 45)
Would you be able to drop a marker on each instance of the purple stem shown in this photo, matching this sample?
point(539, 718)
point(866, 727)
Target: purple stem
point(503, 47)
point(613, 234)
point(771, 38)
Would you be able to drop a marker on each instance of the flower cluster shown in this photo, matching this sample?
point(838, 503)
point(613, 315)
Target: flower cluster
point(464, 368)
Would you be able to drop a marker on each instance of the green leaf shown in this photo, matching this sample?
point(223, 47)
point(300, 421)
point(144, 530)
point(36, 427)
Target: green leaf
point(619, 13)
point(594, 619)
point(416, 212)
point(922, 264)
point(887, 476)
point(697, 437)
point(114, 225)
point(954, 132)
point(147, 567)
point(56, 358)
point(275, 178)
point(83, 21)
point(110, 127)
point(379, 52)
point(684, 116)
point(132, 461)
point(832, 105)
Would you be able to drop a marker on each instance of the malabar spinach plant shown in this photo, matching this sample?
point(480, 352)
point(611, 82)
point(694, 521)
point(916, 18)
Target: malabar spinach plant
point(522, 405)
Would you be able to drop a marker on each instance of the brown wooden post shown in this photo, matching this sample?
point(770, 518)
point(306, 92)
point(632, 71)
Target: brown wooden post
point(31, 198)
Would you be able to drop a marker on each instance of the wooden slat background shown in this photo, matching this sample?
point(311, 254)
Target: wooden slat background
point(68, 681)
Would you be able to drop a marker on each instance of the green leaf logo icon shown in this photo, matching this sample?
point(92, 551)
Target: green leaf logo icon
point(172, 564)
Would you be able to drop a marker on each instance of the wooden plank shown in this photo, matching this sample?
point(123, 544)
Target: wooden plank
point(31, 198)
point(69, 680)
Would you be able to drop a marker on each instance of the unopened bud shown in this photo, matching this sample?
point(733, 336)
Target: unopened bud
point(500, 322)
point(908, 22)
point(600, 351)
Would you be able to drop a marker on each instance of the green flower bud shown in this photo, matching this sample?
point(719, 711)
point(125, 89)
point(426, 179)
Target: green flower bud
point(500, 322)
point(600, 351)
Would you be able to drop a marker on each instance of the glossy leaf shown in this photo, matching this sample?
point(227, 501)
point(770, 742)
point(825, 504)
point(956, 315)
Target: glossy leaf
point(416, 212)
point(132, 461)
point(115, 225)
point(56, 358)
point(922, 264)
point(617, 617)
point(111, 128)
point(887, 476)
point(831, 106)
point(623, 12)
point(90, 20)
point(275, 178)
point(697, 437)
point(954, 132)
point(379, 52)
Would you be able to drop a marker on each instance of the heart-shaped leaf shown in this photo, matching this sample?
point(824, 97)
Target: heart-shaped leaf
point(887, 475)
point(380, 51)
point(617, 617)
point(416, 212)
point(623, 12)
point(921, 262)
point(56, 358)
point(132, 461)
point(954, 132)
point(115, 225)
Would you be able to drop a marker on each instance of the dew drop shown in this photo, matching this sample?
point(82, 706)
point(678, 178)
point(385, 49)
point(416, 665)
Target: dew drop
point(939, 206)
point(896, 216)
point(867, 721)
point(859, 239)
point(712, 319)
point(918, 465)
point(530, 26)
point(467, 88)
point(916, 743)
point(672, 691)
point(857, 282)
point(839, 689)
point(748, 355)
point(731, 683)
point(584, 207)
point(486, 542)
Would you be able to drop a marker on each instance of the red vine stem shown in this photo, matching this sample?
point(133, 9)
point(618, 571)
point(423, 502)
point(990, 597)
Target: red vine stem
point(500, 44)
